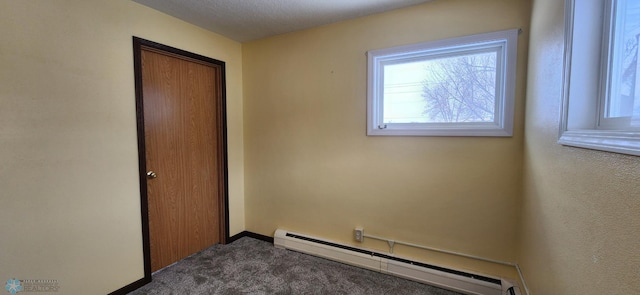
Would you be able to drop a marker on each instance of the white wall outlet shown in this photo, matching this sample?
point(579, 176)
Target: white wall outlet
point(358, 234)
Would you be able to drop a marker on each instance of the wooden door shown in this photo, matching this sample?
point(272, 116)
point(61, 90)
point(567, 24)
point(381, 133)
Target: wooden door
point(183, 142)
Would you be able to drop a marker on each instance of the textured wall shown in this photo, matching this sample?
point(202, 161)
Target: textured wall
point(579, 230)
point(311, 168)
point(69, 193)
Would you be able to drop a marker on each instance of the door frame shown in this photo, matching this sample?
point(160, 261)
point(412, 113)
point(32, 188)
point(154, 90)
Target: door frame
point(223, 198)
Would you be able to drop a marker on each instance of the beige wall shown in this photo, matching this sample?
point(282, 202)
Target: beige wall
point(310, 168)
point(69, 193)
point(580, 209)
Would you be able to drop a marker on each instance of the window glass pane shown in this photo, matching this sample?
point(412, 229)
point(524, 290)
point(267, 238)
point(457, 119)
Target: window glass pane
point(448, 89)
point(624, 96)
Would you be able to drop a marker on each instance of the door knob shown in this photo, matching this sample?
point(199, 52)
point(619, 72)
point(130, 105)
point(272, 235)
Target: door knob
point(151, 175)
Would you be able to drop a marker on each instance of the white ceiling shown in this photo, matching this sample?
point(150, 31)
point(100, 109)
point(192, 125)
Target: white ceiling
point(247, 20)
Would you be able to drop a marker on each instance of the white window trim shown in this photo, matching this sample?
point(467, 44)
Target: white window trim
point(587, 135)
point(502, 127)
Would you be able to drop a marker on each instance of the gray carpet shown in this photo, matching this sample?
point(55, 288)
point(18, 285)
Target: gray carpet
point(250, 266)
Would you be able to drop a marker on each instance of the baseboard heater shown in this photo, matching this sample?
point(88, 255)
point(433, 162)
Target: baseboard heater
point(455, 280)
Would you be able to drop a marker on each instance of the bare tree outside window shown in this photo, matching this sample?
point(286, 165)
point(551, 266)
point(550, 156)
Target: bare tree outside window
point(624, 100)
point(629, 64)
point(461, 88)
point(636, 106)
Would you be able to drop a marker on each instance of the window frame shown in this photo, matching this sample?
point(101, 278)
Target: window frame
point(506, 44)
point(581, 121)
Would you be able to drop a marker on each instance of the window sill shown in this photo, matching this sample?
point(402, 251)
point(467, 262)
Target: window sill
point(623, 142)
point(480, 129)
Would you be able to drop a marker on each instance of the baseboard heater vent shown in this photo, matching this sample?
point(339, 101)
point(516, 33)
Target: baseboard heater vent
point(459, 281)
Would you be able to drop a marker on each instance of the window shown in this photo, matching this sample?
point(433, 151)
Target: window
point(601, 108)
point(455, 87)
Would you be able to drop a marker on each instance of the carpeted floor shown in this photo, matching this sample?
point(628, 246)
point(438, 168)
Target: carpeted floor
point(250, 266)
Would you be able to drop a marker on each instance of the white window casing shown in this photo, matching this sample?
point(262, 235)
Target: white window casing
point(502, 45)
point(587, 81)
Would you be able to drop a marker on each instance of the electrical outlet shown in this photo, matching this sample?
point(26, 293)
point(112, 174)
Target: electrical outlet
point(358, 234)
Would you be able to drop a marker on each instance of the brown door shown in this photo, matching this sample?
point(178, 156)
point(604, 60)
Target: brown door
point(183, 142)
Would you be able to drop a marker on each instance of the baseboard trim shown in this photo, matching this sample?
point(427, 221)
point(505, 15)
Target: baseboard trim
point(251, 235)
point(132, 287)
